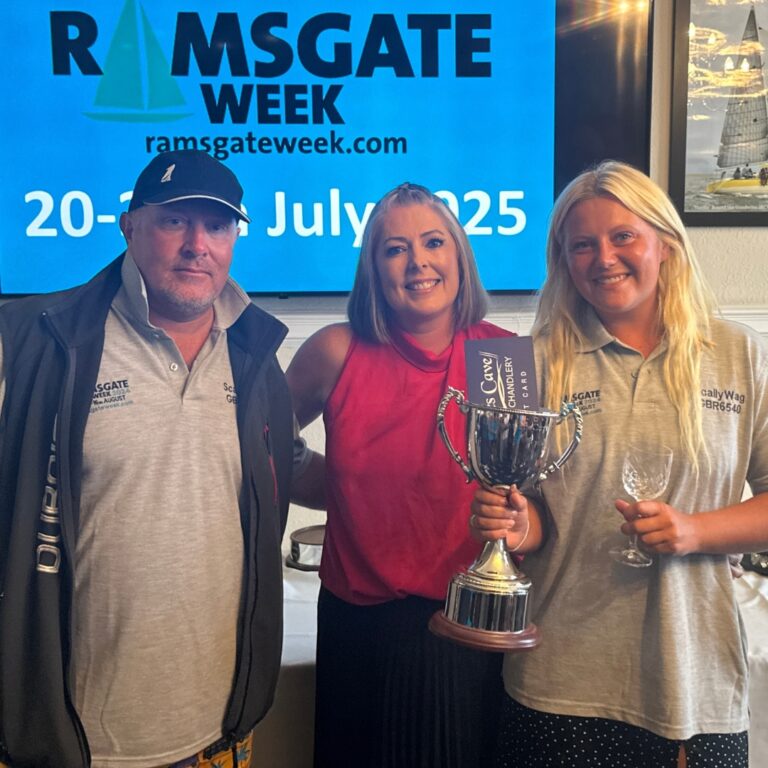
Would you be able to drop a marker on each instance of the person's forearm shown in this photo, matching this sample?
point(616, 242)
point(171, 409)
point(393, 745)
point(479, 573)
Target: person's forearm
point(740, 527)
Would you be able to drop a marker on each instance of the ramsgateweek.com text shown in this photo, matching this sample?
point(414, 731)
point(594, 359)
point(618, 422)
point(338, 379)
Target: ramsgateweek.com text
point(331, 143)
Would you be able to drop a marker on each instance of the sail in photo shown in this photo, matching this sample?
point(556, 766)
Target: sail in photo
point(743, 151)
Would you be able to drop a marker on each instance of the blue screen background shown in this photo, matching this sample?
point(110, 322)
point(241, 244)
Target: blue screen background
point(485, 141)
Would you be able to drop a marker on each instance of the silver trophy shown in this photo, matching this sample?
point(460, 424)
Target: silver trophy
point(488, 605)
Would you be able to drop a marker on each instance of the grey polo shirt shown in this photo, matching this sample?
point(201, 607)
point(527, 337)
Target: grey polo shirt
point(659, 647)
point(159, 554)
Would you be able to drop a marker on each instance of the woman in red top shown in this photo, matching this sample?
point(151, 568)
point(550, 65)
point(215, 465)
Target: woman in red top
point(388, 692)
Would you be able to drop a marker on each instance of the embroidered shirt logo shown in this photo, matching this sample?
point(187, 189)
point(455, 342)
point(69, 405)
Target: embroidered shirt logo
point(589, 401)
point(111, 394)
point(230, 393)
point(723, 400)
point(168, 173)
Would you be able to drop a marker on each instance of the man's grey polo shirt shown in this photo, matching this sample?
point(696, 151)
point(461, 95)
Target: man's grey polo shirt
point(159, 552)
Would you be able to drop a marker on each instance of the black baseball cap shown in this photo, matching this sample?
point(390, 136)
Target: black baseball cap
point(187, 174)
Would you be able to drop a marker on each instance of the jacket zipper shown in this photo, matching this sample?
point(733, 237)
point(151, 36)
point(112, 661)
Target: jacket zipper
point(64, 413)
point(250, 534)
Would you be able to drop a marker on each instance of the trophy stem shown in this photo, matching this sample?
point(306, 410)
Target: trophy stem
point(495, 562)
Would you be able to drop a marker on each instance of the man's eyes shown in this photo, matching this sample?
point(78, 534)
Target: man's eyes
point(214, 227)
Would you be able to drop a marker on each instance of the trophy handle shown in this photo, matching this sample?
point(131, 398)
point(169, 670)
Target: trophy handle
point(572, 410)
point(458, 396)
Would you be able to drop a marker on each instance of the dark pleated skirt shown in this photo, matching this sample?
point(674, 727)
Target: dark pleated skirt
point(390, 694)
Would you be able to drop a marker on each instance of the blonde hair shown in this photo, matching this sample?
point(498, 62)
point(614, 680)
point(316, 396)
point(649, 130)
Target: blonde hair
point(686, 304)
point(367, 308)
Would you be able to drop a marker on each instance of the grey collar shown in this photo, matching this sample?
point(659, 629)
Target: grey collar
point(131, 299)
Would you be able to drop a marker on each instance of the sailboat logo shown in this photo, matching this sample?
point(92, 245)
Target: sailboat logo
point(168, 173)
point(128, 93)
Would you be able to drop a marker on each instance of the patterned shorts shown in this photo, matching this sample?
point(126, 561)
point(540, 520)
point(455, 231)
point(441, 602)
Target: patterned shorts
point(220, 756)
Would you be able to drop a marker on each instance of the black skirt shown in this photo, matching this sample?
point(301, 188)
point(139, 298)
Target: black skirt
point(390, 694)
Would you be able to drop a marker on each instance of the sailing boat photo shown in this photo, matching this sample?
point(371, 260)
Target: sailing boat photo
point(743, 151)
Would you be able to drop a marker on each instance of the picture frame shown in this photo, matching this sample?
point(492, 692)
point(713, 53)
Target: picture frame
point(718, 171)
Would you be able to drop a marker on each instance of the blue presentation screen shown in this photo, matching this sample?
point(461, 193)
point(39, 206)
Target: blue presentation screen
point(319, 110)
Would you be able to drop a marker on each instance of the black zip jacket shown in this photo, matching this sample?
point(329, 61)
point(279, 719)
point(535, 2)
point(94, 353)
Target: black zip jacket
point(52, 348)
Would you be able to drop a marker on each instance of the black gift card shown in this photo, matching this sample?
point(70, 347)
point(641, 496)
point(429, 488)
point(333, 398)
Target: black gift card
point(501, 373)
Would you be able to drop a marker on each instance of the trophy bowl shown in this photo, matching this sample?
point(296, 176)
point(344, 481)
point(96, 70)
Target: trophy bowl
point(488, 606)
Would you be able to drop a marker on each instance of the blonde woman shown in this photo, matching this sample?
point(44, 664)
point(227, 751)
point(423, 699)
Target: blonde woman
point(639, 666)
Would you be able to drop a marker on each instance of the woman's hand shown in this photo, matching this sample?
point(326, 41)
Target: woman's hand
point(496, 515)
point(740, 527)
point(660, 527)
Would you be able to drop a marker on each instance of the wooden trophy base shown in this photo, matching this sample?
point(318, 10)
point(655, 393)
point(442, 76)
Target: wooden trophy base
point(484, 639)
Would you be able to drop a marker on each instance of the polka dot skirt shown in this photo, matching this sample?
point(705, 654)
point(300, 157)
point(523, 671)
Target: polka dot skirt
point(532, 739)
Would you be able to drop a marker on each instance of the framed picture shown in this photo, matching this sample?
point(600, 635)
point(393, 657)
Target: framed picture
point(718, 172)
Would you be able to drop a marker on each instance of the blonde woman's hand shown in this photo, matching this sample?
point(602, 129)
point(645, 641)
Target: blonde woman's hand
point(660, 527)
point(497, 515)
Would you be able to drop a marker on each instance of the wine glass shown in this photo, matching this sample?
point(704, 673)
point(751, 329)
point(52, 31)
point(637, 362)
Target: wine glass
point(645, 474)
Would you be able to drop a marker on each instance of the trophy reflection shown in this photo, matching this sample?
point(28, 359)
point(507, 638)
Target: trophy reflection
point(488, 605)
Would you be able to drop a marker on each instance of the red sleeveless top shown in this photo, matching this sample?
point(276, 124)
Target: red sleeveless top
point(398, 504)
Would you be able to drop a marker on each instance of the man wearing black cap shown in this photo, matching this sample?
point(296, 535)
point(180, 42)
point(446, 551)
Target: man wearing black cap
point(145, 460)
